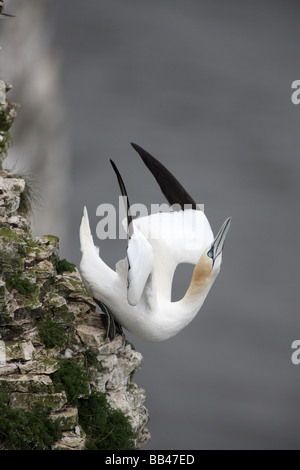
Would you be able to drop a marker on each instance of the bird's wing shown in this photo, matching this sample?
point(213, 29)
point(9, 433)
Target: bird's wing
point(125, 199)
point(86, 239)
point(173, 191)
point(140, 266)
point(93, 269)
point(140, 258)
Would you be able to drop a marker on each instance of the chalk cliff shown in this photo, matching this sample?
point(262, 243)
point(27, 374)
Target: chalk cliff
point(57, 368)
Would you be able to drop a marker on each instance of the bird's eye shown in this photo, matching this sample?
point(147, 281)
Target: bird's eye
point(210, 254)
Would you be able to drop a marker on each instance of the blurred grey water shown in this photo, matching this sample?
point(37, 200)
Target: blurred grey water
point(205, 86)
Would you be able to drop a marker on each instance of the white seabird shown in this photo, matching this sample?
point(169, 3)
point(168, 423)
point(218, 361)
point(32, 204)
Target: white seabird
point(137, 295)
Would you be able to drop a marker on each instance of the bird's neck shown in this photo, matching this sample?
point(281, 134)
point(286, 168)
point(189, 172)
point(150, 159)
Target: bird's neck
point(165, 279)
point(201, 283)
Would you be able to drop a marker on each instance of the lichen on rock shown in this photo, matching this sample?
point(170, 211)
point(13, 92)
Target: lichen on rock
point(48, 320)
point(8, 113)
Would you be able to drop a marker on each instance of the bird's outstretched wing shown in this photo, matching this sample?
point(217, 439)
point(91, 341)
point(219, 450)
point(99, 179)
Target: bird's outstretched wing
point(125, 198)
point(139, 253)
point(173, 191)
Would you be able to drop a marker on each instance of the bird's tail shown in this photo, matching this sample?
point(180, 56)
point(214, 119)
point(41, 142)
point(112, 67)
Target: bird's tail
point(86, 239)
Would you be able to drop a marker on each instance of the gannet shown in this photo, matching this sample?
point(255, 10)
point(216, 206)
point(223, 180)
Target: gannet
point(137, 294)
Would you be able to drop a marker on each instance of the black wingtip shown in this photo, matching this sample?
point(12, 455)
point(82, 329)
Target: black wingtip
point(114, 166)
point(135, 146)
point(120, 179)
point(125, 196)
point(143, 154)
point(169, 185)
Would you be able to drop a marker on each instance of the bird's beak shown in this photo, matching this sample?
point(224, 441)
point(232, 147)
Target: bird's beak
point(218, 243)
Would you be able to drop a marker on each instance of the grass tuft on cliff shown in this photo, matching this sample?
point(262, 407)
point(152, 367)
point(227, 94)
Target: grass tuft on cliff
point(24, 430)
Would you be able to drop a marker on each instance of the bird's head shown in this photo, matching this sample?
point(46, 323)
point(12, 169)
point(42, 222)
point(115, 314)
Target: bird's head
point(214, 252)
point(209, 264)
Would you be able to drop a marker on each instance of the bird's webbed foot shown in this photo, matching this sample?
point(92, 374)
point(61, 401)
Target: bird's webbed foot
point(112, 326)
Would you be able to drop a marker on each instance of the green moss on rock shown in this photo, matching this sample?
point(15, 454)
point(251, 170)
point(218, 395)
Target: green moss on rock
point(106, 428)
point(51, 240)
point(32, 401)
point(11, 257)
point(24, 430)
point(62, 265)
point(23, 285)
point(66, 419)
point(71, 378)
point(51, 334)
point(8, 233)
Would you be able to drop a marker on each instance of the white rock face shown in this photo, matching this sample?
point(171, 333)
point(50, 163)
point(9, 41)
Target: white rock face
point(47, 318)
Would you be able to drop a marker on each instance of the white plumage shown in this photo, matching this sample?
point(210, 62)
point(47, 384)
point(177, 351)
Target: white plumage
point(138, 293)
